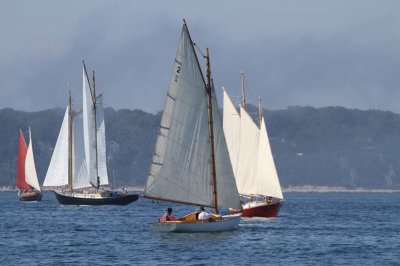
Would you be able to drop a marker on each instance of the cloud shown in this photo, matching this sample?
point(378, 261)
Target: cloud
point(314, 53)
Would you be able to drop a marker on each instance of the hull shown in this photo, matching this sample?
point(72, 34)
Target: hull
point(110, 198)
point(225, 223)
point(260, 209)
point(30, 196)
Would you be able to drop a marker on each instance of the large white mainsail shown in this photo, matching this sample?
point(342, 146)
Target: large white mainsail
point(226, 185)
point(94, 135)
point(231, 125)
point(89, 130)
point(181, 166)
point(249, 149)
point(247, 162)
point(30, 169)
point(101, 141)
point(57, 173)
point(80, 176)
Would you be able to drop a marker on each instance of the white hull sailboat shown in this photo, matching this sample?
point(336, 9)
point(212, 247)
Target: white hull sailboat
point(252, 160)
point(78, 165)
point(191, 164)
point(27, 181)
point(188, 225)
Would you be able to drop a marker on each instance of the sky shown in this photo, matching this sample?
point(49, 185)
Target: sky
point(294, 53)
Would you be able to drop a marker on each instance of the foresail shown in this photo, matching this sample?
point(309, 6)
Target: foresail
point(30, 169)
point(22, 150)
point(231, 125)
point(180, 167)
point(89, 131)
point(57, 173)
point(267, 177)
point(227, 191)
point(101, 141)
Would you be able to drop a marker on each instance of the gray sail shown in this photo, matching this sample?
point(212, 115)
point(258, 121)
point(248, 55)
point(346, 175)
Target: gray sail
point(181, 166)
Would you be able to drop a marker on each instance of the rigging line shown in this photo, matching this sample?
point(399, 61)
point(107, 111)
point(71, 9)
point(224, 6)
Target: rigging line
point(199, 50)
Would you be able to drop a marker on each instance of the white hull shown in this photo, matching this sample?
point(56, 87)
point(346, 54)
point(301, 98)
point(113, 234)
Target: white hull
point(227, 223)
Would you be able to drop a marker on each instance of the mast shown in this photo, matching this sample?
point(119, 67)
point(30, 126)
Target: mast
point(211, 126)
point(93, 96)
point(260, 112)
point(95, 130)
point(70, 141)
point(243, 95)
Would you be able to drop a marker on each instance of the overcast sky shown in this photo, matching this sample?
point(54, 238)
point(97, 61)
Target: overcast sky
point(317, 53)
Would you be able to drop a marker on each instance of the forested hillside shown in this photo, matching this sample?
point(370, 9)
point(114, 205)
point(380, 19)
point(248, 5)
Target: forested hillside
point(331, 146)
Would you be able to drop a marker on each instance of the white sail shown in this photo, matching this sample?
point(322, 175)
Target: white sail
point(267, 177)
point(226, 185)
point(89, 131)
point(231, 124)
point(101, 141)
point(250, 152)
point(80, 174)
point(30, 169)
point(246, 169)
point(57, 173)
point(181, 166)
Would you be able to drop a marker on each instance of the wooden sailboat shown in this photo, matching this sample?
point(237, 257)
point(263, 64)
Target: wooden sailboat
point(252, 161)
point(27, 181)
point(78, 165)
point(191, 164)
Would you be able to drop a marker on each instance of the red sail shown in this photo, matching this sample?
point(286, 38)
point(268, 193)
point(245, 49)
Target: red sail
point(22, 150)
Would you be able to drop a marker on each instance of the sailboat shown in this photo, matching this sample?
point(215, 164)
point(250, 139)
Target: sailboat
point(78, 165)
point(190, 164)
point(27, 181)
point(252, 160)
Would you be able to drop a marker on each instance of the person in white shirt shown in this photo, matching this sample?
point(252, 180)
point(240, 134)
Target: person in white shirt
point(203, 215)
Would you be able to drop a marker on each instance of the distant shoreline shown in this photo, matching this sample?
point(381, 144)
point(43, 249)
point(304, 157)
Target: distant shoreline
point(301, 189)
point(326, 189)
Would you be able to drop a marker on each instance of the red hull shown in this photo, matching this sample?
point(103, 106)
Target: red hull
point(261, 210)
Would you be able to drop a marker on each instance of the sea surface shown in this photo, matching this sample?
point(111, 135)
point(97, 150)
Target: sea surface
point(312, 229)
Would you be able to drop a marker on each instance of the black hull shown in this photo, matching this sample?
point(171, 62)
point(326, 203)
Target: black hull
point(109, 200)
point(31, 196)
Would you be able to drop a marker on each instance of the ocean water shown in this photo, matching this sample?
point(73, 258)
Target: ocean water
point(312, 229)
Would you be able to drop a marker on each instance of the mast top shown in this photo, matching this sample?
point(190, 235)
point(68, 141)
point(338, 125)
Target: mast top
point(243, 94)
point(260, 111)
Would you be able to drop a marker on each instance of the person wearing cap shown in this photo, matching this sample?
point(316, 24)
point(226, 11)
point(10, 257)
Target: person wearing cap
point(203, 215)
point(168, 216)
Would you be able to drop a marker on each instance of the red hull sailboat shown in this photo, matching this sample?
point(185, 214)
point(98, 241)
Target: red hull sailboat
point(252, 160)
point(260, 209)
point(29, 189)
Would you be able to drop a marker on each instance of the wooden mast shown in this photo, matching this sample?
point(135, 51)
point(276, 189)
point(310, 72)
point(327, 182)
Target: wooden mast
point(243, 95)
point(211, 127)
point(70, 141)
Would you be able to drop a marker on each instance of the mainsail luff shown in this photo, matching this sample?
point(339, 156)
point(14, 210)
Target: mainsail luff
point(22, 150)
